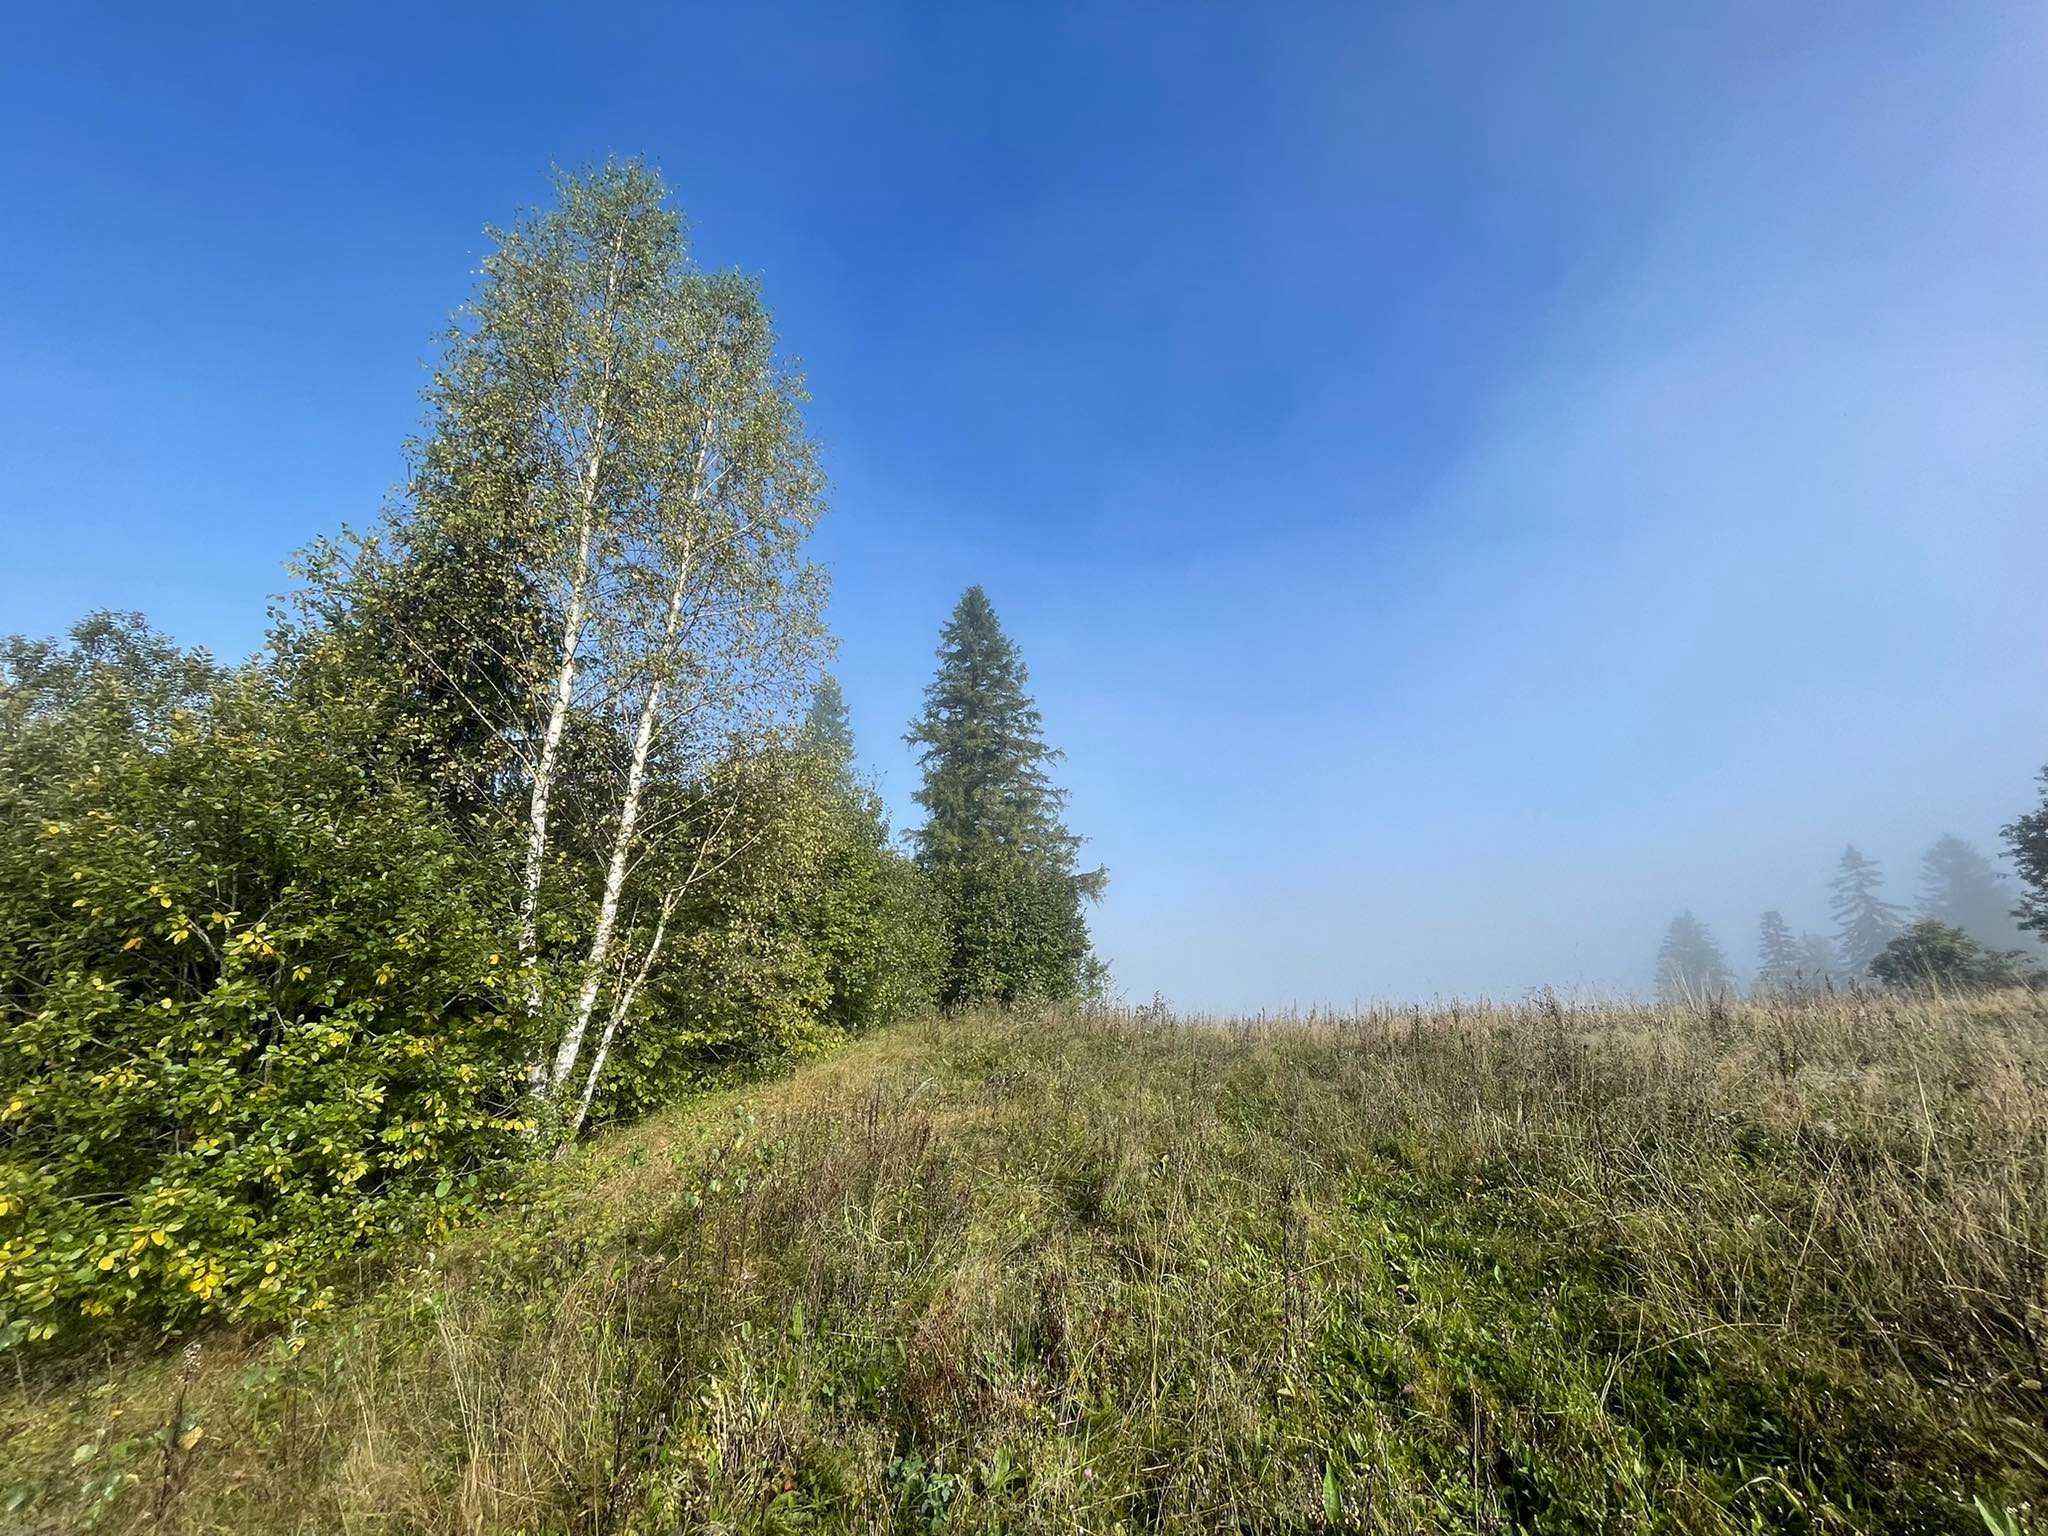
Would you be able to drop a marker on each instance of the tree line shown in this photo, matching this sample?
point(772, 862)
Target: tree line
point(1969, 928)
point(538, 808)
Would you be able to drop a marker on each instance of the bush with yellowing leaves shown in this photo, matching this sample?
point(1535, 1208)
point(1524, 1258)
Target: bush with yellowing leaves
point(255, 1008)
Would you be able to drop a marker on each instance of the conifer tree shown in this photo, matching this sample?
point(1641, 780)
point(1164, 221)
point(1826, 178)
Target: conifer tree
point(1001, 858)
point(1962, 889)
point(1690, 965)
point(1864, 921)
point(827, 729)
point(2027, 839)
point(1818, 963)
point(1779, 954)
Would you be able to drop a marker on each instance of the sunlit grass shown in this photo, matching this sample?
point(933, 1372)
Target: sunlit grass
point(1482, 1269)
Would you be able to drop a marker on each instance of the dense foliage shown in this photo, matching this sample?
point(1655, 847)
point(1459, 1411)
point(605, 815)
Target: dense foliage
point(1934, 954)
point(254, 989)
point(515, 826)
point(2026, 837)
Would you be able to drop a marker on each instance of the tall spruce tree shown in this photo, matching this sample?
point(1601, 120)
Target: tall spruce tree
point(1963, 889)
point(1690, 965)
point(1864, 921)
point(1779, 955)
point(1000, 857)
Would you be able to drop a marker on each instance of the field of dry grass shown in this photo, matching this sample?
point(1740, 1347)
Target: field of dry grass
point(1531, 1268)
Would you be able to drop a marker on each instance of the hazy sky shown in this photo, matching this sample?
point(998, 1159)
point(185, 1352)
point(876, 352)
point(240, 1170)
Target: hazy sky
point(1468, 481)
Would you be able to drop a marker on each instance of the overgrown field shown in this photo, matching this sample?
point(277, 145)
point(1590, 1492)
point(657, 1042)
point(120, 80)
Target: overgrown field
point(1534, 1268)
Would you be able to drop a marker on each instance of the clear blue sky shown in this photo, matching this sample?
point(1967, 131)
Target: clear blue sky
point(1468, 480)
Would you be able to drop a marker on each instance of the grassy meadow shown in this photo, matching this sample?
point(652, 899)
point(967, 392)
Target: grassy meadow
point(1548, 1268)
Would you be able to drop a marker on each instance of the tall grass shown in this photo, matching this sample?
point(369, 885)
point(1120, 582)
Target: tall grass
point(1475, 1269)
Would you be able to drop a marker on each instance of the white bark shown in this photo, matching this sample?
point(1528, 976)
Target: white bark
point(622, 843)
point(574, 621)
point(620, 1005)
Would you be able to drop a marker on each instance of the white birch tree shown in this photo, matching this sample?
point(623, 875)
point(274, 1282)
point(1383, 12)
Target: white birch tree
point(617, 456)
point(717, 617)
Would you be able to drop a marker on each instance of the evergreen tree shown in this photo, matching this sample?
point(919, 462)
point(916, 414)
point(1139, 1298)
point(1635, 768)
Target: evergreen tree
point(1818, 964)
point(1000, 857)
point(827, 729)
point(1779, 953)
point(1961, 889)
point(1864, 921)
point(1937, 954)
point(2027, 838)
point(1690, 965)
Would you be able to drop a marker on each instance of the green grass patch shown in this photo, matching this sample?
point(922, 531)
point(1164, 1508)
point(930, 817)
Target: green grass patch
point(1485, 1271)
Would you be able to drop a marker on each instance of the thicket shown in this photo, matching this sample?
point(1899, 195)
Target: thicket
point(514, 826)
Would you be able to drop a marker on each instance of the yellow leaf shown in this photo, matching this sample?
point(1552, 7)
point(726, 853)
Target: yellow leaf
point(190, 1438)
point(134, 943)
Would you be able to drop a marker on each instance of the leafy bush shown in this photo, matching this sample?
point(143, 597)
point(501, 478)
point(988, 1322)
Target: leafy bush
point(1932, 953)
point(801, 927)
point(1015, 931)
point(252, 992)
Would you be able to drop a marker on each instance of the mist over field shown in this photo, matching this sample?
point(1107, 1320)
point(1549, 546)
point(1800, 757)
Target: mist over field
point(1735, 560)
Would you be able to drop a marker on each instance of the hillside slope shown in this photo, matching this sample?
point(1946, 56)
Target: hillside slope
point(1475, 1270)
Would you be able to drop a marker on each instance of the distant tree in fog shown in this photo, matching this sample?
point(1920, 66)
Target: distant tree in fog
point(1690, 964)
point(1778, 954)
point(1936, 954)
point(1818, 963)
point(1959, 887)
point(1864, 921)
point(2027, 839)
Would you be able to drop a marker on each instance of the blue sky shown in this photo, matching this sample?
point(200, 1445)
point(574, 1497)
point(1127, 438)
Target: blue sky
point(1469, 481)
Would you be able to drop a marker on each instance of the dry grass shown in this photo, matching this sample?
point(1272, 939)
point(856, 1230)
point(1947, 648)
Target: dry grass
point(1476, 1269)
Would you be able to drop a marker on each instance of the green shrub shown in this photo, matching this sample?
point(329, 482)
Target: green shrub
point(803, 926)
point(252, 993)
point(1934, 954)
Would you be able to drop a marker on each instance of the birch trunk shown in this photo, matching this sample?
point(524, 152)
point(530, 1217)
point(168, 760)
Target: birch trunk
point(622, 845)
point(574, 620)
point(544, 769)
point(620, 1005)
